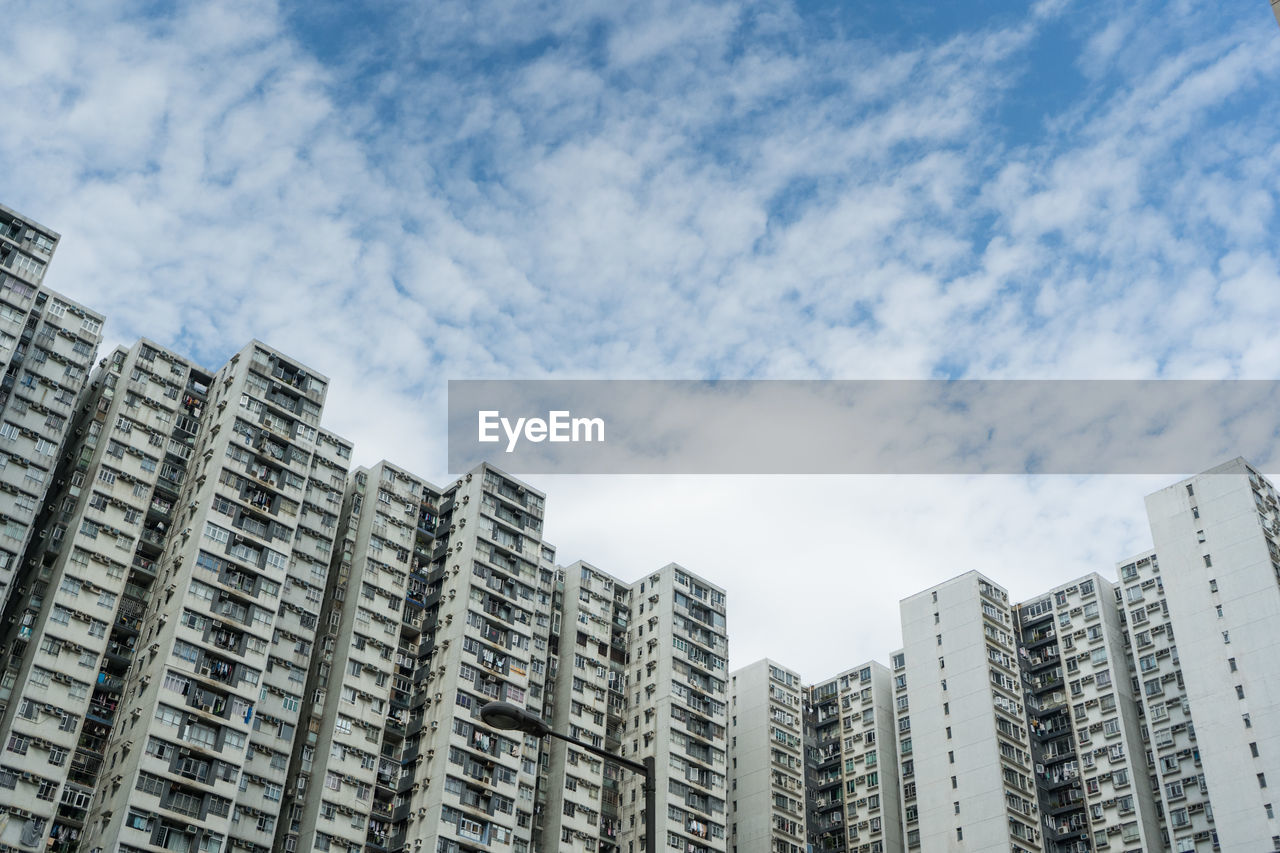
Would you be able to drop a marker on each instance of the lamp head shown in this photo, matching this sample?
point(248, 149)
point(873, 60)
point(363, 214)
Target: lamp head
point(504, 715)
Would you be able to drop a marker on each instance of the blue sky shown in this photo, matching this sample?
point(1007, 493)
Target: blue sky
point(405, 193)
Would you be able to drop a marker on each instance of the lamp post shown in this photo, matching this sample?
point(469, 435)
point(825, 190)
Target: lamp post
point(504, 715)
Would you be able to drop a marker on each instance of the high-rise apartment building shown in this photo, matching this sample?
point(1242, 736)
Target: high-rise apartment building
point(234, 544)
point(359, 693)
point(1086, 734)
point(1173, 754)
point(677, 685)
point(71, 626)
point(964, 722)
point(851, 753)
point(766, 760)
point(578, 804)
point(1218, 539)
point(47, 347)
point(472, 786)
point(441, 600)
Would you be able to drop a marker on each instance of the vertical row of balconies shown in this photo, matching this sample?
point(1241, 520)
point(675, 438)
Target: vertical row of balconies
point(1058, 785)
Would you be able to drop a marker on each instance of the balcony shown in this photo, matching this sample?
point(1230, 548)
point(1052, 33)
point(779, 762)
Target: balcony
point(101, 713)
point(113, 683)
point(127, 622)
point(144, 567)
point(1065, 776)
point(1065, 801)
point(121, 651)
point(1046, 657)
point(152, 536)
point(217, 670)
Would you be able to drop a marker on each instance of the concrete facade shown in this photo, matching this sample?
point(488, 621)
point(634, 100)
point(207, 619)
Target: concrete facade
point(852, 764)
point(964, 722)
point(1087, 739)
point(766, 760)
point(48, 344)
point(209, 708)
point(1217, 538)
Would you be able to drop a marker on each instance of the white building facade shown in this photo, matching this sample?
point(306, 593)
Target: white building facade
point(766, 760)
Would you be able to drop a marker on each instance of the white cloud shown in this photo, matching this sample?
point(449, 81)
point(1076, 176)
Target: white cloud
point(676, 190)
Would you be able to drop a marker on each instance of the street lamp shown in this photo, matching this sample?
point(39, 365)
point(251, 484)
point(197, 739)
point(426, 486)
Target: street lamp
point(504, 715)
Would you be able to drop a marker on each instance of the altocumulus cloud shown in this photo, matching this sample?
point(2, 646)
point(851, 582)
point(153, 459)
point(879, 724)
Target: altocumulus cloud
point(403, 193)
